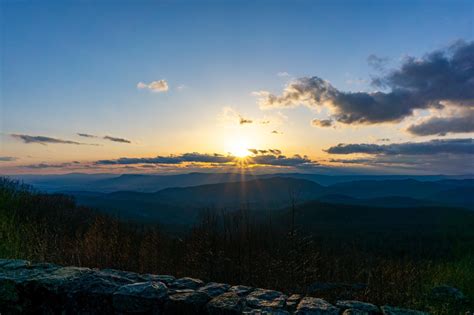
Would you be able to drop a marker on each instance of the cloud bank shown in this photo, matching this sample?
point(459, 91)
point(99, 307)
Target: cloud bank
point(437, 146)
point(443, 125)
point(271, 157)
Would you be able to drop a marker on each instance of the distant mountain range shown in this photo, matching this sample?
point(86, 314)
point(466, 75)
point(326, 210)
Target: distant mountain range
point(177, 199)
point(182, 204)
point(154, 183)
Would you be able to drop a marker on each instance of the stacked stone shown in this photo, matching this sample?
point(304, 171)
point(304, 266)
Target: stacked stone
point(26, 287)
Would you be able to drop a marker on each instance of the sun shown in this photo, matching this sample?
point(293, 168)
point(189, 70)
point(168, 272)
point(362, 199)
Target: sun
point(239, 147)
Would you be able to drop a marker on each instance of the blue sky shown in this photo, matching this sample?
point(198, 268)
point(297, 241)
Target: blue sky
point(74, 66)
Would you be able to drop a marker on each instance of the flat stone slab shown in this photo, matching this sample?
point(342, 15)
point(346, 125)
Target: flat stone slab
point(261, 298)
point(187, 283)
point(229, 303)
point(358, 305)
point(315, 306)
point(214, 289)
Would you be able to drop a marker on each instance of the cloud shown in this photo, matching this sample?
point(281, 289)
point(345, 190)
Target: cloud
point(7, 158)
point(48, 165)
point(437, 146)
point(322, 122)
point(441, 76)
point(376, 62)
point(352, 161)
point(283, 74)
point(172, 159)
point(444, 125)
point(276, 132)
point(281, 160)
point(45, 140)
point(232, 117)
point(115, 139)
point(110, 138)
point(86, 135)
point(155, 86)
point(443, 163)
point(244, 121)
point(270, 157)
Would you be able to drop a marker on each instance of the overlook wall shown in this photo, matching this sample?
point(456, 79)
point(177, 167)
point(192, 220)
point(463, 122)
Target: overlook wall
point(41, 288)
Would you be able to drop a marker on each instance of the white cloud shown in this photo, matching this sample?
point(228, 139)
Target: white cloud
point(155, 86)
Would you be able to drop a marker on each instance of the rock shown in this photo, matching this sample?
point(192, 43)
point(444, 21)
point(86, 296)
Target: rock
point(447, 294)
point(140, 297)
point(187, 283)
point(131, 276)
point(265, 311)
point(42, 288)
point(390, 310)
point(229, 303)
point(186, 303)
point(261, 298)
point(214, 289)
point(315, 306)
point(241, 290)
point(92, 293)
point(166, 279)
point(12, 264)
point(357, 305)
point(292, 302)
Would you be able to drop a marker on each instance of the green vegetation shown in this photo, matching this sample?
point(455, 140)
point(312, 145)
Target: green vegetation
point(398, 254)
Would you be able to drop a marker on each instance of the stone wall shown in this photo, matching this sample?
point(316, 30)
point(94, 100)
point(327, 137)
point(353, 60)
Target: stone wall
point(40, 288)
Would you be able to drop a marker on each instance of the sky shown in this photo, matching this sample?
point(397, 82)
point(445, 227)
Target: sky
point(178, 86)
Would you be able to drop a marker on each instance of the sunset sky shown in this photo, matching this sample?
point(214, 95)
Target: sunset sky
point(173, 86)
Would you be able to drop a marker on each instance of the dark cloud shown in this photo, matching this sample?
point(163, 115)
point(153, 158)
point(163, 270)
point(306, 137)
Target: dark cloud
point(45, 140)
point(115, 139)
point(322, 122)
point(281, 160)
point(439, 163)
point(260, 151)
point(48, 165)
point(172, 159)
point(275, 151)
point(441, 76)
point(7, 158)
point(276, 132)
point(450, 146)
point(444, 125)
point(86, 135)
point(352, 161)
point(383, 139)
point(271, 157)
point(244, 121)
